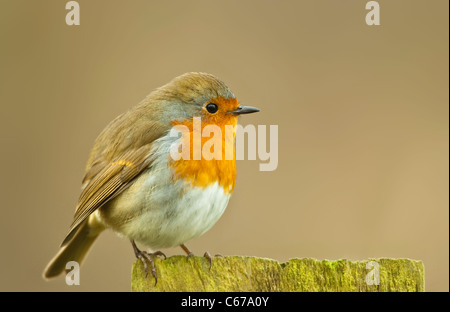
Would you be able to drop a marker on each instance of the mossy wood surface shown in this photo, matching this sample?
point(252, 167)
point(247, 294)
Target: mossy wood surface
point(236, 273)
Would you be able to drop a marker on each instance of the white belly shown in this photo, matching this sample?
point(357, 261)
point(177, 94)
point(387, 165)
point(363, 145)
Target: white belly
point(181, 220)
point(157, 212)
point(165, 217)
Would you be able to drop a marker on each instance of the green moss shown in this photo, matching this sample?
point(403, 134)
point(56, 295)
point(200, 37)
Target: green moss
point(256, 274)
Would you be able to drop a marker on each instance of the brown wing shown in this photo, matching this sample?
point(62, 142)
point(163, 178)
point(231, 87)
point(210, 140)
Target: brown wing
point(105, 180)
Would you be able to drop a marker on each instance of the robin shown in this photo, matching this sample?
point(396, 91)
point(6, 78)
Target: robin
point(133, 186)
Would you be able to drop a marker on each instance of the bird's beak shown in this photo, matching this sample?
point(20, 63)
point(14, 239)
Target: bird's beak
point(244, 110)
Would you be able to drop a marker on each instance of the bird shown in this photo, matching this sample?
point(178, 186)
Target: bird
point(134, 187)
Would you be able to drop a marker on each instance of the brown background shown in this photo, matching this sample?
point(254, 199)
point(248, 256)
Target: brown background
point(362, 114)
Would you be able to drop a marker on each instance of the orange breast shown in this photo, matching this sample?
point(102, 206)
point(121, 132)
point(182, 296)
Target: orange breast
point(201, 172)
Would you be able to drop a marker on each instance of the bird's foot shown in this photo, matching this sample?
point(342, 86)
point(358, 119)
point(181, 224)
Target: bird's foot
point(206, 255)
point(209, 258)
point(187, 251)
point(147, 257)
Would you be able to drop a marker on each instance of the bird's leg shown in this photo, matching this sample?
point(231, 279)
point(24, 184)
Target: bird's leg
point(187, 251)
point(209, 258)
point(147, 257)
point(190, 254)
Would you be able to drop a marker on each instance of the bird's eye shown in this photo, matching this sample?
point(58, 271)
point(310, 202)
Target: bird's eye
point(212, 108)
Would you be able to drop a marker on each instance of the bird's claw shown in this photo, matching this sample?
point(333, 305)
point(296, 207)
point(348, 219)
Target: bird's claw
point(190, 255)
point(208, 257)
point(147, 257)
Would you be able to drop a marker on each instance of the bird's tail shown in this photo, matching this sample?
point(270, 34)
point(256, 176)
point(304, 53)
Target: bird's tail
point(75, 250)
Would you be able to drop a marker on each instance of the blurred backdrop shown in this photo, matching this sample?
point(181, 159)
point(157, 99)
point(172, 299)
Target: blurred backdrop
point(362, 114)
